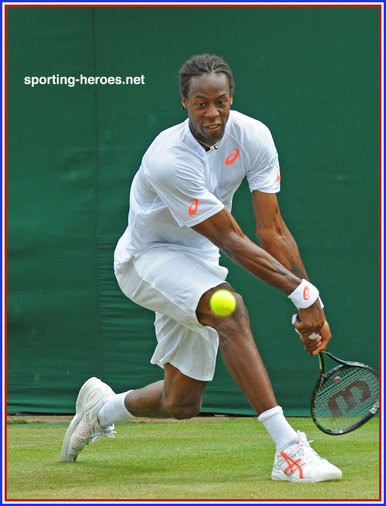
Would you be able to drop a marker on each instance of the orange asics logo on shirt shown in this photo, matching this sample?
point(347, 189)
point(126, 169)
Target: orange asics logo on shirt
point(232, 157)
point(306, 293)
point(278, 175)
point(193, 207)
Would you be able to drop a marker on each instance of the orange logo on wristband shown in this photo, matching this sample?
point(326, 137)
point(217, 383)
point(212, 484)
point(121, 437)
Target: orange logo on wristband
point(193, 207)
point(306, 293)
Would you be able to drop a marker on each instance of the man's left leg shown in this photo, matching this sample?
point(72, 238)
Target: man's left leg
point(294, 460)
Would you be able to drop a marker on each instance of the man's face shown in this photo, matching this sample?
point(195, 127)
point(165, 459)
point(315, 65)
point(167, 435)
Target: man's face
point(208, 102)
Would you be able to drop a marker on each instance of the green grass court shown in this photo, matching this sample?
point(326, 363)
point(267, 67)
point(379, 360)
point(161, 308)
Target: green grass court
point(205, 458)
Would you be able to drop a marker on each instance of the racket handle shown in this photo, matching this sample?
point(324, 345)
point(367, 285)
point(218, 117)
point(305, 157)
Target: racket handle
point(296, 318)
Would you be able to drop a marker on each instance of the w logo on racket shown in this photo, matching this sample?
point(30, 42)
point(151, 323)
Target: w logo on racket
point(349, 398)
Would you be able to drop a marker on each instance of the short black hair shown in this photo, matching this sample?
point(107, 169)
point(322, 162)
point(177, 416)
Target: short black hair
point(204, 64)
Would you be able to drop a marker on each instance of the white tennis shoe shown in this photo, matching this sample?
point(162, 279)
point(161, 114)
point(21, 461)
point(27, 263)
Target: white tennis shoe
point(84, 427)
point(299, 463)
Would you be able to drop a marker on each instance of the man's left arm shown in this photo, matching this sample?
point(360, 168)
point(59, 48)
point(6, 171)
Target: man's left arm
point(277, 240)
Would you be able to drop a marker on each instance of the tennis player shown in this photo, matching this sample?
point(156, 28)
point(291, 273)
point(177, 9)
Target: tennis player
point(167, 260)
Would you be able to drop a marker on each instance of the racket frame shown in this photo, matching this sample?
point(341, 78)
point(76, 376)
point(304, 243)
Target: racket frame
point(342, 364)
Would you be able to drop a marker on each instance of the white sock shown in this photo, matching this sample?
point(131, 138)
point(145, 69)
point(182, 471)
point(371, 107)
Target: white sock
point(278, 428)
point(114, 410)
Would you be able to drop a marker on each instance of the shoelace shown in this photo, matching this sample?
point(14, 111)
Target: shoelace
point(312, 455)
point(104, 433)
point(90, 432)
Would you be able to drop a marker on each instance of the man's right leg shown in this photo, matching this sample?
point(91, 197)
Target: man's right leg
point(177, 396)
point(98, 408)
point(170, 283)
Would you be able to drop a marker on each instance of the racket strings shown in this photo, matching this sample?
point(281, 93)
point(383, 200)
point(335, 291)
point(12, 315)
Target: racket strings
point(346, 397)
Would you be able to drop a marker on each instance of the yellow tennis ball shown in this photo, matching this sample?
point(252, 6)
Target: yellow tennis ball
point(222, 303)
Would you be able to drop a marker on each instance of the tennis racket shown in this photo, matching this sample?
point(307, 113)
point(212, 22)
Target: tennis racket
point(345, 397)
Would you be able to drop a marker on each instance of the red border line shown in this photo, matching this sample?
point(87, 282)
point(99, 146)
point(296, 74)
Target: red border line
point(381, 182)
point(193, 4)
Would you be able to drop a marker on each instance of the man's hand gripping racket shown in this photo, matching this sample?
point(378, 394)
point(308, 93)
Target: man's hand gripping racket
point(345, 397)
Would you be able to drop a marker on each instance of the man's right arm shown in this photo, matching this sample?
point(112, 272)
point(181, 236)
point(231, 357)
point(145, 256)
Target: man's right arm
point(223, 230)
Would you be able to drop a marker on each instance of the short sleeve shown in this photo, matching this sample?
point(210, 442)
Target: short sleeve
point(182, 190)
point(264, 173)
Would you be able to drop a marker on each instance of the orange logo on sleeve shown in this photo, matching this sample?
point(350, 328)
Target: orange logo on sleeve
point(232, 157)
point(193, 207)
point(278, 174)
point(306, 293)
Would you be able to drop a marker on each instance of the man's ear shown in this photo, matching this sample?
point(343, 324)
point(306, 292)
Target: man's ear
point(184, 103)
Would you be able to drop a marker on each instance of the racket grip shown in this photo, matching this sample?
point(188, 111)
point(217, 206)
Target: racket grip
point(296, 318)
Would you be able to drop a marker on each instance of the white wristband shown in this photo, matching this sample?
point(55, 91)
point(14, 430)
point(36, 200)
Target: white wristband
point(304, 295)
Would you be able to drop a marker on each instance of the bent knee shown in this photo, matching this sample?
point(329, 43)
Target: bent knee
point(206, 316)
point(182, 412)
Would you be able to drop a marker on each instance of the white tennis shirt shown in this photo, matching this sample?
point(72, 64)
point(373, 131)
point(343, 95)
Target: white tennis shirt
point(179, 185)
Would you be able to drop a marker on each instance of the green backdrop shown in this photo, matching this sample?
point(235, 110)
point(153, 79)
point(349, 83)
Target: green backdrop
point(310, 73)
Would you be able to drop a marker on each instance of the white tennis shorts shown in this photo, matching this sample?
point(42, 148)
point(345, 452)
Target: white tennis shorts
point(171, 283)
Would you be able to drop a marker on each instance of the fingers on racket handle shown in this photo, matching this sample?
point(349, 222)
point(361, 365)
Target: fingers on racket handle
point(296, 318)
